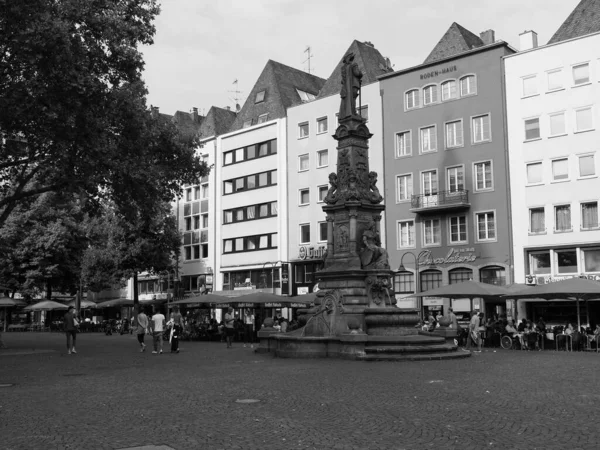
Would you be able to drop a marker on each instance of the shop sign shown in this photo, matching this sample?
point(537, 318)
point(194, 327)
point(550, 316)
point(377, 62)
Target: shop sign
point(435, 73)
point(454, 256)
point(158, 296)
point(433, 301)
point(547, 279)
point(311, 252)
point(302, 290)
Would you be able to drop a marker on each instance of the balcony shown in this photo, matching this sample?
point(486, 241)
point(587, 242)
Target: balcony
point(442, 201)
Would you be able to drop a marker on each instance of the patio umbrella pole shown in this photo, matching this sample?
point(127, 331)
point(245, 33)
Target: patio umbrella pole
point(578, 316)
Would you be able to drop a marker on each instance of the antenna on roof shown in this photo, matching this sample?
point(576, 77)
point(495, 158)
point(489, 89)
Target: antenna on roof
point(310, 55)
point(236, 96)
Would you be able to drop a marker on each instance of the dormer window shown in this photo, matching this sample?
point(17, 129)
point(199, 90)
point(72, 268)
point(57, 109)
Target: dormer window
point(305, 96)
point(247, 123)
point(260, 97)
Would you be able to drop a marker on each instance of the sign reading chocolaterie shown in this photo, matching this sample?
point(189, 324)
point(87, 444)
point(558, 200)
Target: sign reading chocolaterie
point(438, 72)
point(454, 256)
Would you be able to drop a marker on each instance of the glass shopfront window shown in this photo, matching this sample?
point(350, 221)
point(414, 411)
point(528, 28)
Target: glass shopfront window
point(566, 261)
point(591, 260)
point(493, 275)
point(539, 262)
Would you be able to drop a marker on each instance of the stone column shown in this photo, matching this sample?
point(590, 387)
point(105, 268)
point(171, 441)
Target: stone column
point(330, 220)
point(353, 213)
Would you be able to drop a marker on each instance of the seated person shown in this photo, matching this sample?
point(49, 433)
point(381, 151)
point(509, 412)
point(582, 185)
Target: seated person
point(595, 337)
point(511, 329)
point(569, 329)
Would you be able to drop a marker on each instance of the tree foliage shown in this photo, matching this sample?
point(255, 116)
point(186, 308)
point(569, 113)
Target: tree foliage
point(73, 113)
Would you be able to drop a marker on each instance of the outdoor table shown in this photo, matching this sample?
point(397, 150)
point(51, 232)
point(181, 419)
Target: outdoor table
point(568, 341)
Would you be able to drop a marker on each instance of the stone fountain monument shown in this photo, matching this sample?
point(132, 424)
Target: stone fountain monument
point(355, 314)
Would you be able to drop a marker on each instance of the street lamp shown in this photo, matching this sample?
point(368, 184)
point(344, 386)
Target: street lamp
point(401, 268)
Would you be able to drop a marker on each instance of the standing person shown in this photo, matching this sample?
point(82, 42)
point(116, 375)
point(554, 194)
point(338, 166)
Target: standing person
point(142, 328)
point(177, 319)
point(158, 326)
point(71, 323)
point(249, 328)
point(473, 326)
point(229, 326)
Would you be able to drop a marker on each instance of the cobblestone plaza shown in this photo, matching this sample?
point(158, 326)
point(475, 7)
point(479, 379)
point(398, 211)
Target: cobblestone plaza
point(111, 396)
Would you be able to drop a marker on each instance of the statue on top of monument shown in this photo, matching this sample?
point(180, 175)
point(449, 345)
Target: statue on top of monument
point(373, 256)
point(332, 195)
point(374, 194)
point(351, 79)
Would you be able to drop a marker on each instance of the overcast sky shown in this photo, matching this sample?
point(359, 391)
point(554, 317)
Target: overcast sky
point(202, 46)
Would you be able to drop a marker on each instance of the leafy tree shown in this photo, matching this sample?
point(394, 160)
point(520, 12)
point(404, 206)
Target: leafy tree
point(73, 113)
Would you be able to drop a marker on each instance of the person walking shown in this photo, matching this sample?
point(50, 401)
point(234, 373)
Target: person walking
point(71, 323)
point(229, 326)
point(177, 319)
point(142, 328)
point(249, 328)
point(158, 326)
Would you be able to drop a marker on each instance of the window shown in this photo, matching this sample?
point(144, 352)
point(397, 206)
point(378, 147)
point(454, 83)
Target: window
point(305, 233)
point(322, 231)
point(260, 97)
point(555, 80)
point(403, 144)
point(537, 220)
point(404, 283)
point(481, 128)
point(304, 196)
point(454, 134)
point(249, 182)
point(532, 129)
point(456, 178)
point(560, 169)
point(196, 192)
point(196, 222)
point(250, 152)
point(458, 230)
point(322, 193)
point(406, 234)
point(430, 182)
point(562, 218)
point(411, 99)
point(428, 139)
point(591, 260)
point(449, 90)
point(250, 243)
point(302, 130)
point(557, 124)
point(539, 262)
point(263, 118)
point(589, 215)
point(587, 166)
point(227, 216)
point(204, 191)
point(468, 85)
point(583, 119)
point(429, 94)
point(566, 261)
point(430, 279)
point(188, 195)
point(460, 275)
point(581, 74)
point(530, 86)
point(534, 173)
point(322, 158)
point(405, 187)
point(483, 176)
point(493, 275)
point(486, 226)
point(247, 123)
point(305, 96)
point(432, 232)
point(204, 220)
point(188, 224)
point(322, 125)
point(303, 163)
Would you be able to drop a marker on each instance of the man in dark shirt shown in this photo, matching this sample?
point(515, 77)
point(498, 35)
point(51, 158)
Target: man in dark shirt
point(71, 329)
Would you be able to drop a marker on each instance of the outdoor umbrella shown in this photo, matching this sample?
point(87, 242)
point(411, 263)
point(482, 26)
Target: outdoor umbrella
point(45, 305)
point(115, 302)
point(466, 289)
point(199, 300)
point(85, 304)
point(571, 288)
point(7, 302)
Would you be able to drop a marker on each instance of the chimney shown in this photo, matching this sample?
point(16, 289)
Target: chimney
point(528, 40)
point(154, 111)
point(228, 108)
point(195, 114)
point(488, 37)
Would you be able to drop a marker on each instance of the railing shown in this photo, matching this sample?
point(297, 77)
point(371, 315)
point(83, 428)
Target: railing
point(441, 200)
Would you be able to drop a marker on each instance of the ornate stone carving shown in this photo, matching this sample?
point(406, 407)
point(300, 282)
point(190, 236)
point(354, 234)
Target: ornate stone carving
point(373, 195)
point(332, 197)
point(342, 239)
point(378, 290)
point(351, 79)
point(373, 256)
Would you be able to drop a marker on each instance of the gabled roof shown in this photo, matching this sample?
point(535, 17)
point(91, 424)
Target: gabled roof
point(456, 40)
point(188, 123)
point(280, 83)
point(370, 62)
point(584, 19)
point(217, 122)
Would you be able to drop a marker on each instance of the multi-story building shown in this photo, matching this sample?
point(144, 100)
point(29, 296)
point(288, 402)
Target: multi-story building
point(553, 107)
point(251, 195)
point(313, 156)
point(445, 166)
point(196, 209)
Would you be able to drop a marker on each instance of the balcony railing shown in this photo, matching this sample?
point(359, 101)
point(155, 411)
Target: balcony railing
point(443, 200)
